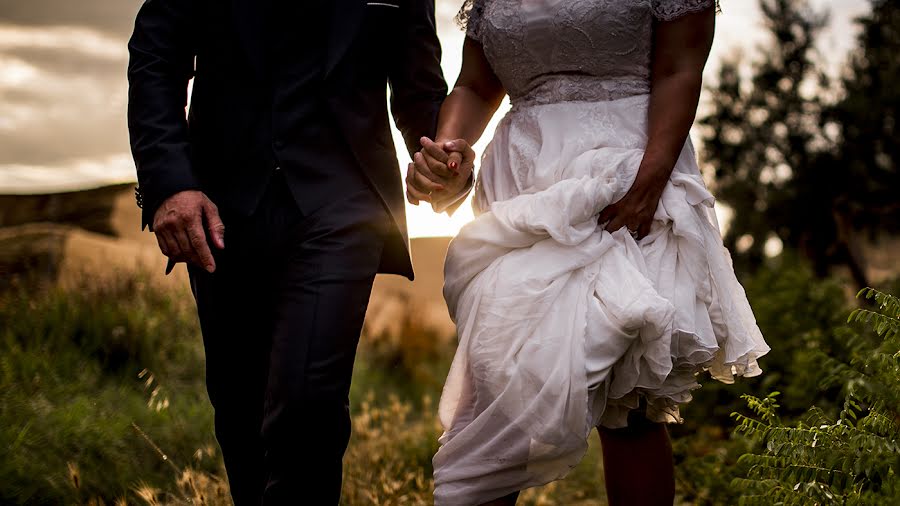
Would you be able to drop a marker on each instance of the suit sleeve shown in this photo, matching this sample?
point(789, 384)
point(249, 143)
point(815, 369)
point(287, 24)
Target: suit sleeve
point(417, 83)
point(160, 66)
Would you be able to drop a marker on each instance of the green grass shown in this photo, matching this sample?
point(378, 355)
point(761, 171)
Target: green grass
point(72, 391)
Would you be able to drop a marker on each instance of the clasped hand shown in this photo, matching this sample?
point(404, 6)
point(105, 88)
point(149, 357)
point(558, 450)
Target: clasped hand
point(440, 173)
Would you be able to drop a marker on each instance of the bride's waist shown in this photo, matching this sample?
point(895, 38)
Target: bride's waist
point(579, 88)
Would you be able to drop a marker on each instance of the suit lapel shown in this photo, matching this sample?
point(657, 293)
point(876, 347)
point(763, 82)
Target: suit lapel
point(345, 21)
point(251, 19)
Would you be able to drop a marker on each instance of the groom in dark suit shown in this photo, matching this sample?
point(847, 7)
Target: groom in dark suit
point(281, 191)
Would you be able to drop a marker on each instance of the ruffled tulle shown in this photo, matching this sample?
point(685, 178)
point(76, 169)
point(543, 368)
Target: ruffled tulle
point(564, 326)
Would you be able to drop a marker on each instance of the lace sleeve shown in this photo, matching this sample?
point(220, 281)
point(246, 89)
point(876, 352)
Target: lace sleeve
point(469, 18)
point(667, 10)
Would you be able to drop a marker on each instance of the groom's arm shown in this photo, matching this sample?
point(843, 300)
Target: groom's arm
point(161, 64)
point(417, 83)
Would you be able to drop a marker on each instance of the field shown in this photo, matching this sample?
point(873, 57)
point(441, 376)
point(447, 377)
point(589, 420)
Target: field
point(102, 399)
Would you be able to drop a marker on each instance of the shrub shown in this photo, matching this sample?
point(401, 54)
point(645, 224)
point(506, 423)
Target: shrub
point(797, 314)
point(852, 458)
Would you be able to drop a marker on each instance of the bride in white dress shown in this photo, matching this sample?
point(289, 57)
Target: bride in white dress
point(592, 287)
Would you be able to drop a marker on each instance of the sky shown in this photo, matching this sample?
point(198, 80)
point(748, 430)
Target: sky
point(63, 88)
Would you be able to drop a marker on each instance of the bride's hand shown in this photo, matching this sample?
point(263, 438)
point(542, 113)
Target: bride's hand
point(634, 211)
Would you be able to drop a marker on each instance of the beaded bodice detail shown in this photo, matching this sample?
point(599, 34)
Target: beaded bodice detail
point(548, 51)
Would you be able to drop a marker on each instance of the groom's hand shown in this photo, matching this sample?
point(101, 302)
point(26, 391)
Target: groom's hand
point(440, 173)
point(180, 232)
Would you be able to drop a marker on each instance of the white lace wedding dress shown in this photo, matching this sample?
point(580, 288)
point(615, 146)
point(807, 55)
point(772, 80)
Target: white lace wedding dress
point(562, 325)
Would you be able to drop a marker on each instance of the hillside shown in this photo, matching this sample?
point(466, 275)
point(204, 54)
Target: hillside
point(62, 236)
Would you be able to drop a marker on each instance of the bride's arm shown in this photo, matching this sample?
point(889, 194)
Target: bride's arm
point(680, 50)
point(463, 117)
point(473, 100)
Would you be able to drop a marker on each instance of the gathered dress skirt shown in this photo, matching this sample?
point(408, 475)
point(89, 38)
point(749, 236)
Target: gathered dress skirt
point(564, 326)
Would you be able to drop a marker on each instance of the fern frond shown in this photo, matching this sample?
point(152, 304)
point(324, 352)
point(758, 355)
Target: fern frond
point(888, 304)
point(886, 326)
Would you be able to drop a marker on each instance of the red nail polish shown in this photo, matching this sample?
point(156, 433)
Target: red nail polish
point(453, 165)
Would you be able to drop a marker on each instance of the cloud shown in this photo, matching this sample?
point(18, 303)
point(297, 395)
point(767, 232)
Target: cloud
point(73, 175)
point(62, 92)
point(112, 17)
point(83, 40)
point(64, 50)
point(67, 64)
point(63, 95)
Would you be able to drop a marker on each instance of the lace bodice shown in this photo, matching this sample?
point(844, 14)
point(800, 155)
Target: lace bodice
point(546, 51)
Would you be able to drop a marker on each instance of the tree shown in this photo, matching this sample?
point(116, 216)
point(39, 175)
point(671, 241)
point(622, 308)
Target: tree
point(796, 158)
point(762, 136)
point(867, 115)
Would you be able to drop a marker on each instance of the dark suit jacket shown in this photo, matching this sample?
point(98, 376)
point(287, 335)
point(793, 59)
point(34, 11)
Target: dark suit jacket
point(222, 45)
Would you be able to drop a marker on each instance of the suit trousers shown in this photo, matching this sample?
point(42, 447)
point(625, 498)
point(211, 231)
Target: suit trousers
point(281, 319)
